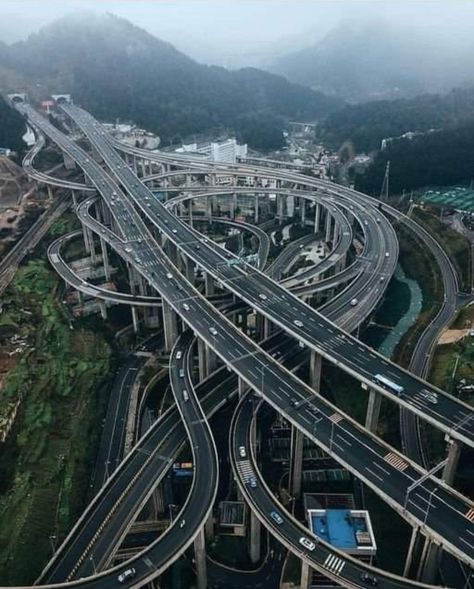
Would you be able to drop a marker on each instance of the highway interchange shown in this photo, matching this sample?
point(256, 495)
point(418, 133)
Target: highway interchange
point(336, 433)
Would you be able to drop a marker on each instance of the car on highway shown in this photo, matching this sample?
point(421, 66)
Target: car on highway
point(306, 542)
point(252, 482)
point(179, 355)
point(354, 302)
point(213, 330)
point(185, 395)
point(263, 296)
point(186, 307)
point(242, 452)
point(126, 575)
point(169, 275)
point(369, 579)
point(276, 517)
point(174, 231)
point(298, 323)
point(295, 403)
point(182, 523)
point(181, 373)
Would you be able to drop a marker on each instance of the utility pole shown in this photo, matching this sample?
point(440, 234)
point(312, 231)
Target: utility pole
point(385, 183)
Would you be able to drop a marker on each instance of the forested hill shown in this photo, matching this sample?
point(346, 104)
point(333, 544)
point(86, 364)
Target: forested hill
point(12, 128)
point(365, 125)
point(117, 70)
point(441, 158)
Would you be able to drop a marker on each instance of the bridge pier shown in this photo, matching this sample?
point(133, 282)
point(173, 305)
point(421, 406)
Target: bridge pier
point(373, 410)
point(302, 211)
point(328, 226)
point(296, 461)
point(209, 209)
point(69, 163)
point(315, 364)
point(190, 212)
point(200, 557)
point(103, 310)
point(209, 284)
point(317, 217)
point(451, 466)
point(202, 359)
point(136, 324)
point(305, 575)
point(105, 258)
point(256, 210)
point(255, 537)
point(170, 325)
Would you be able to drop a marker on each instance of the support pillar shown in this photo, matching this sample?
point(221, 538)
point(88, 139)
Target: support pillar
point(200, 558)
point(296, 461)
point(50, 191)
point(305, 575)
point(328, 226)
point(202, 359)
point(373, 411)
point(234, 206)
point(303, 211)
point(209, 284)
point(105, 258)
point(429, 562)
point(170, 324)
point(136, 325)
point(103, 310)
point(317, 217)
point(411, 551)
point(454, 452)
point(209, 209)
point(315, 363)
point(267, 327)
point(190, 211)
point(242, 388)
point(335, 232)
point(256, 210)
point(255, 537)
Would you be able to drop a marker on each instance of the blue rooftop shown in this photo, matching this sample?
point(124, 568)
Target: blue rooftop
point(338, 527)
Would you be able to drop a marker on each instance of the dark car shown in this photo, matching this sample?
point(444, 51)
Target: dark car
point(369, 579)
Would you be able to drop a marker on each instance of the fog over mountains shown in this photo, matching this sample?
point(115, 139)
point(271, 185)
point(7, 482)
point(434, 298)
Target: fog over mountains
point(361, 61)
point(118, 70)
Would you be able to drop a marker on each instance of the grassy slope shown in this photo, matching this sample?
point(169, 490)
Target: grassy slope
point(45, 463)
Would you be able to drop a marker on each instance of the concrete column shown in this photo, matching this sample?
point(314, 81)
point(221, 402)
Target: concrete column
point(135, 166)
point(105, 258)
point(280, 208)
point(189, 270)
point(209, 208)
point(267, 327)
point(103, 310)
point(373, 411)
point(170, 324)
point(136, 325)
point(454, 452)
point(315, 363)
point(85, 237)
point(202, 360)
point(69, 163)
point(242, 388)
point(335, 232)
point(411, 551)
point(190, 211)
point(209, 284)
point(74, 198)
point(296, 461)
point(317, 217)
point(328, 226)
point(243, 322)
point(256, 210)
point(209, 529)
point(305, 581)
point(428, 569)
point(255, 537)
point(50, 191)
point(303, 211)
point(200, 558)
point(234, 205)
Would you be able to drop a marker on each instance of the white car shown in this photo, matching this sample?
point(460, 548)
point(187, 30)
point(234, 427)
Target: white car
point(298, 323)
point(169, 275)
point(242, 452)
point(354, 302)
point(263, 296)
point(307, 543)
point(186, 307)
point(213, 330)
point(126, 575)
point(179, 355)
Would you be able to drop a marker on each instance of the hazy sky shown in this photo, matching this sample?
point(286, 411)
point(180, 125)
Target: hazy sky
point(238, 32)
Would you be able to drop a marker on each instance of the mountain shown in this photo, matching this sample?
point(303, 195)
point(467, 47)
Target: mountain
point(360, 61)
point(117, 70)
point(365, 125)
point(12, 128)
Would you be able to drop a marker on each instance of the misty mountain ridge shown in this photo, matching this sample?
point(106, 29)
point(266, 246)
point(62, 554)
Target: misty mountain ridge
point(374, 60)
point(118, 70)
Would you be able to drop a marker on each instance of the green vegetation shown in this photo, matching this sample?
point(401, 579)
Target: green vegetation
point(12, 128)
point(365, 125)
point(440, 158)
point(46, 460)
point(455, 245)
point(419, 265)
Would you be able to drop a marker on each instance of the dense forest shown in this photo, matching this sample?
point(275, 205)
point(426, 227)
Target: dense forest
point(117, 70)
point(365, 125)
point(12, 128)
point(442, 158)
